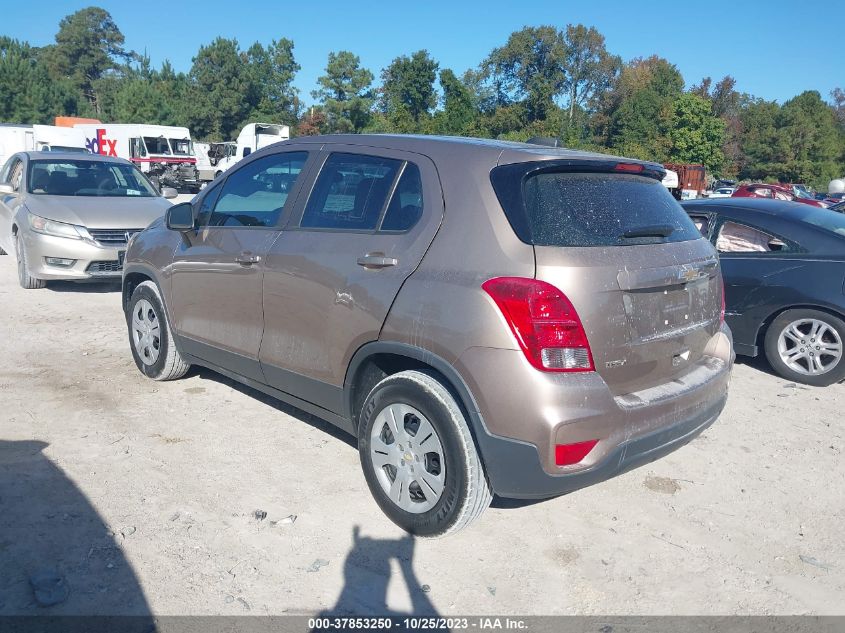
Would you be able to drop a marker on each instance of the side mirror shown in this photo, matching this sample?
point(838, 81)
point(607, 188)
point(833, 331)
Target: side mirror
point(6, 188)
point(180, 217)
point(169, 192)
point(247, 151)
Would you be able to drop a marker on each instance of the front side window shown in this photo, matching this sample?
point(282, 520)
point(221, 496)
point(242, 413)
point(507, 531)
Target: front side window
point(157, 145)
point(350, 192)
point(255, 194)
point(87, 178)
point(739, 238)
point(181, 147)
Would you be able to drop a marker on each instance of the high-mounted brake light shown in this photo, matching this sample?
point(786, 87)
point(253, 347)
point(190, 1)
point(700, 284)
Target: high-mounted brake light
point(633, 168)
point(544, 321)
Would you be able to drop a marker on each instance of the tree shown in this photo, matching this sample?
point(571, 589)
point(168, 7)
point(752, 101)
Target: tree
point(759, 139)
point(407, 94)
point(223, 92)
point(27, 95)
point(345, 93)
point(639, 111)
point(838, 96)
point(273, 69)
point(88, 46)
point(810, 141)
point(696, 135)
point(589, 69)
point(459, 109)
point(529, 66)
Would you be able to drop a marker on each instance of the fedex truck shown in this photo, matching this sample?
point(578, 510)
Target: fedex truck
point(164, 153)
point(22, 138)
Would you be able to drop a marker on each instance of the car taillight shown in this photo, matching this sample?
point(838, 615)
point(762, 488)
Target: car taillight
point(568, 454)
point(544, 321)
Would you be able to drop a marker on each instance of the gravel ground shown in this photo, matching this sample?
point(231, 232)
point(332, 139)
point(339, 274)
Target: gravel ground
point(121, 495)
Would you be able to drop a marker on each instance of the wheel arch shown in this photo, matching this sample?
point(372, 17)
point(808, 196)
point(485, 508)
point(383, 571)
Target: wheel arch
point(377, 360)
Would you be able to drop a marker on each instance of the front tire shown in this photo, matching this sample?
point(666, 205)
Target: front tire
point(25, 279)
point(418, 456)
point(806, 346)
point(150, 336)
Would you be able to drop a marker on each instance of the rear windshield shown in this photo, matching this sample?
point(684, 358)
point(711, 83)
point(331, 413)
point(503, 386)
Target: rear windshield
point(826, 219)
point(599, 209)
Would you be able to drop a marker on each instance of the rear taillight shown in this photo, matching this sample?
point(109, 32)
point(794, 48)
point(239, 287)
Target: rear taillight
point(568, 454)
point(544, 322)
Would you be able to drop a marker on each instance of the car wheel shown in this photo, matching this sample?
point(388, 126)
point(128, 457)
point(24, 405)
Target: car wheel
point(418, 456)
point(806, 346)
point(150, 336)
point(26, 280)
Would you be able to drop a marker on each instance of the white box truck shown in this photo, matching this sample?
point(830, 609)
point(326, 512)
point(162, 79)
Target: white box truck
point(253, 137)
point(16, 137)
point(164, 153)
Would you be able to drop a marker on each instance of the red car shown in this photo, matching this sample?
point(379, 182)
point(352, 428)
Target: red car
point(778, 192)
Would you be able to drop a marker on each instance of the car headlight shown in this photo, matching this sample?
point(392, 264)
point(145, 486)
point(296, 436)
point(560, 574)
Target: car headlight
point(57, 229)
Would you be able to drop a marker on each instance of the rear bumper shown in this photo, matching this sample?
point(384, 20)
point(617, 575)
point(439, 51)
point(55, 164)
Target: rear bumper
point(515, 472)
point(524, 414)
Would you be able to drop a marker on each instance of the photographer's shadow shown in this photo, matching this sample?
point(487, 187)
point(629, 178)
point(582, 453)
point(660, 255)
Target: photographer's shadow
point(367, 572)
point(57, 555)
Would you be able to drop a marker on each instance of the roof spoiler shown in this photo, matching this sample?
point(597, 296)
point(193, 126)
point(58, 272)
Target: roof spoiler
point(545, 141)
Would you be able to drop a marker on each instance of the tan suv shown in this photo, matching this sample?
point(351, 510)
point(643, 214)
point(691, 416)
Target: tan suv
point(486, 317)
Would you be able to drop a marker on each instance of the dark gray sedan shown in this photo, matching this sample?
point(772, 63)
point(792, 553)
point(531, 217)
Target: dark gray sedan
point(70, 216)
point(784, 270)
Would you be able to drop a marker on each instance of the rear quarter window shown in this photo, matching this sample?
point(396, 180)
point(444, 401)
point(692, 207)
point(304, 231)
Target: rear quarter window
point(597, 209)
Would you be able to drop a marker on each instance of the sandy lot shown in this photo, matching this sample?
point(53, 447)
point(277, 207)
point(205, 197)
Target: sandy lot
point(142, 497)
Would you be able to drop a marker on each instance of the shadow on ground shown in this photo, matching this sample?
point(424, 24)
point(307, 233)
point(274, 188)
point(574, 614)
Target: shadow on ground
point(298, 414)
point(366, 574)
point(57, 555)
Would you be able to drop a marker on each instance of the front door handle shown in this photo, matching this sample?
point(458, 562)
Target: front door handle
point(377, 260)
point(247, 259)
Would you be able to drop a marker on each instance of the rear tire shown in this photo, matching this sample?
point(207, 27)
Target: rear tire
point(806, 346)
point(418, 456)
point(150, 337)
point(25, 279)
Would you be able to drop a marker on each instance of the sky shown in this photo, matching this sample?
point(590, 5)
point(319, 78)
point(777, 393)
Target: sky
point(756, 42)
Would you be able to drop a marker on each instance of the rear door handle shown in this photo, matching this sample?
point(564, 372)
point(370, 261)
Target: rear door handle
point(247, 259)
point(377, 260)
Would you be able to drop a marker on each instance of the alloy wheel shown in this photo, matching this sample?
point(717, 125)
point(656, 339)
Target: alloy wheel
point(810, 347)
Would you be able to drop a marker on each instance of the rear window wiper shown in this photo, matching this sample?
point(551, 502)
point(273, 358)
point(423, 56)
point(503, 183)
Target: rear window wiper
point(654, 230)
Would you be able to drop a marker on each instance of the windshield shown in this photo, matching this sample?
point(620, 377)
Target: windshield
point(182, 146)
point(87, 178)
point(157, 145)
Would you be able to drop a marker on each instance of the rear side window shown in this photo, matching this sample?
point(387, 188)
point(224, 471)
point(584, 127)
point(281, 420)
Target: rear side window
point(350, 192)
point(406, 205)
point(597, 209)
point(255, 194)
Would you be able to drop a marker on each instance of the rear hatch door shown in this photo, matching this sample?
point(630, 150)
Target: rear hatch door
point(644, 281)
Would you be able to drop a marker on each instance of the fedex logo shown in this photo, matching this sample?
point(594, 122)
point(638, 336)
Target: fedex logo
point(101, 145)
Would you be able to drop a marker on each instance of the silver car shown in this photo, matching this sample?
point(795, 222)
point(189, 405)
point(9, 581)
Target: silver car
point(69, 216)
